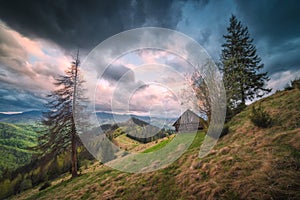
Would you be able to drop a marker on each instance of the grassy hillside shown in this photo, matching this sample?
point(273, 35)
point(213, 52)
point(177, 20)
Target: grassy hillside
point(14, 141)
point(247, 163)
point(129, 144)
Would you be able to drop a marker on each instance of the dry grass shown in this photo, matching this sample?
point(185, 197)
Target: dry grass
point(248, 163)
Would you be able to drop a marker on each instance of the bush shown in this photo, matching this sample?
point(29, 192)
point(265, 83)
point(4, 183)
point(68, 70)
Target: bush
point(225, 130)
point(6, 188)
point(25, 185)
point(296, 83)
point(45, 185)
point(231, 112)
point(84, 163)
point(260, 118)
point(288, 87)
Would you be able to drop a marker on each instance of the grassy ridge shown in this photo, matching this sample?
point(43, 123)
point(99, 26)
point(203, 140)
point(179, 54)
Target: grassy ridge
point(248, 163)
point(158, 146)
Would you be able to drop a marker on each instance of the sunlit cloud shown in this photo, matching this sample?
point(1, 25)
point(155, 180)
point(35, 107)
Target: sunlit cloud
point(28, 66)
point(143, 82)
point(33, 52)
point(281, 80)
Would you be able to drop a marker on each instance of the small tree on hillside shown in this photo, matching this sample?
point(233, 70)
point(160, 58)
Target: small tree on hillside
point(61, 132)
point(259, 117)
point(203, 102)
point(204, 90)
point(240, 66)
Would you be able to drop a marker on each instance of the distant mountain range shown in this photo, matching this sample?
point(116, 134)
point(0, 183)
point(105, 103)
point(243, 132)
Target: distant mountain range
point(28, 117)
point(110, 118)
point(31, 117)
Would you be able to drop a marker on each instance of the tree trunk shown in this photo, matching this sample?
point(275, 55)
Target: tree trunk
point(74, 146)
point(74, 154)
point(243, 92)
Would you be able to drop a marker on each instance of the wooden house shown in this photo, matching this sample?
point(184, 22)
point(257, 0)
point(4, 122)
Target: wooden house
point(188, 121)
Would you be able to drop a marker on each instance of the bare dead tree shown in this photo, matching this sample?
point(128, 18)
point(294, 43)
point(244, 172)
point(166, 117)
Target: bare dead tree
point(61, 134)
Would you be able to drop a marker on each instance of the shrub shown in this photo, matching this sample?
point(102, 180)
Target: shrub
point(45, 185)
point(296, 83)
point(84, 163)
point(231, 112)
point(25, 185)
point(288, 87)
point(225, 130)
point(260, 118)
point(6, 188)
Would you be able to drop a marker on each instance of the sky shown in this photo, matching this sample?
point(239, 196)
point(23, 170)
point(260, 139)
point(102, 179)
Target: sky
point(37, 39)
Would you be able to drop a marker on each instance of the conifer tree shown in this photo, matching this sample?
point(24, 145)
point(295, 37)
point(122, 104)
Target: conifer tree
point(61, 134)
point(241, 66)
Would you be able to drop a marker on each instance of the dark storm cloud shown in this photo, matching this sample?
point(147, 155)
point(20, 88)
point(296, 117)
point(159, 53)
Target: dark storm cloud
point(84, 24)
point(275, 26)
point(19, 100)
point(275, 21)
point(115, 72)
point(73, 24)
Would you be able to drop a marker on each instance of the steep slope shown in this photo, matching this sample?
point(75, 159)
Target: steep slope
point(248, 163)
point(14, 141)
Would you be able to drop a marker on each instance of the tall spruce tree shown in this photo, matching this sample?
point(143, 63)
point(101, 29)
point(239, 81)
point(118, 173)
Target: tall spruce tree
point(61, 134)
point(241, 65)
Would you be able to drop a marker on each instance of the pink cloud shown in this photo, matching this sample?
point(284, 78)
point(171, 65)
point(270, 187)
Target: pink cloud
point(27, 65)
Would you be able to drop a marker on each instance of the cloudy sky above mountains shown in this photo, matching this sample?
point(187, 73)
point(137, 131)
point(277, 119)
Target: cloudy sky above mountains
point(38, 37)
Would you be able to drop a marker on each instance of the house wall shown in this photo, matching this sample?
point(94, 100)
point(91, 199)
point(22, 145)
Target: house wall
point(186, 127)
point(189, 121)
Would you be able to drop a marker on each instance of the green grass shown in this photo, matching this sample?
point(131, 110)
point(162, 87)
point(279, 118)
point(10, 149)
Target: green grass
point(158, 146)
point(198, 140)
point(199, 137)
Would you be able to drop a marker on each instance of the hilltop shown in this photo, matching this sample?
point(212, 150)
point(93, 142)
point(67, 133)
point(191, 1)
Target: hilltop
point(137, 135)
point(247, 163)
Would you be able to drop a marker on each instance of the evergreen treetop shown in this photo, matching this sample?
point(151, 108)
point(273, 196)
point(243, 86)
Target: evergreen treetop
point(241, 66)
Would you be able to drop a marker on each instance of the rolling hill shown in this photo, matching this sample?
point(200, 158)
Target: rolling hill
point(30, 117)
point(109, 118)
point(247, 163)
point(131, 135)
point(14, 143)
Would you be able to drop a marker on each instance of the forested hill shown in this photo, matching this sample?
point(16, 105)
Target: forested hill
point(249, 162)
point(14, 142)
